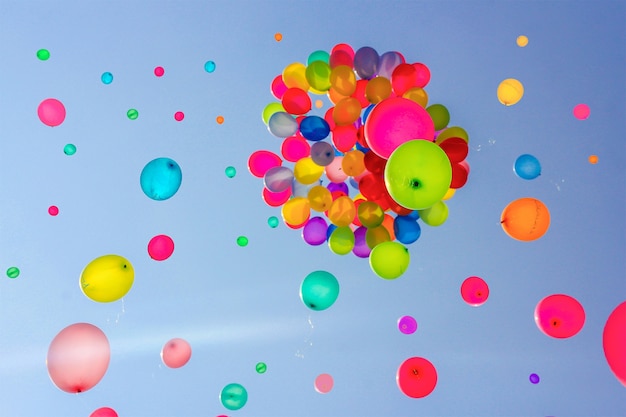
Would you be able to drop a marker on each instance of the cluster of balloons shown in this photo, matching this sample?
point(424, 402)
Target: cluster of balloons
point(375, 163)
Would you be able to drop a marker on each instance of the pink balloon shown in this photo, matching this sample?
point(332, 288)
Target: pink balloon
point(78, 357)
point(394, 121)
point(260, 161)
point(278, 87)
point(407, 324)
point(474, 291)
point(104, 412)
point(559, 316)
point(276, 199)
point(51, 112)
point(176, 353)
point(160, 247)
point(614, 342)
point(581, 111)
point(416, 377)
point(334, 170)
point(53, 210)
point(179, 116)
point(159, 71)
point(295, 148)
point(324, 383)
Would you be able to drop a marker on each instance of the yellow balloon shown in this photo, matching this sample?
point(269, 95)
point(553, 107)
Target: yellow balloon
point(306, 171)
point(378, 89)
point(107, 278)
point(522, 41)
point(452, 132)
point(294, 75)
point(370, 214)
point(510, 91)
point(296, 211)
point(449, 194)
point(320, 198)
point(353, 163)
point(418, 95)
point(343, 80)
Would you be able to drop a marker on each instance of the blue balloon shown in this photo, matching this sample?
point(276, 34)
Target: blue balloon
point(330, 230)
point(527, 167)
point(406, 229)
point(314, 128)
point(160, 179)
point(367, 112)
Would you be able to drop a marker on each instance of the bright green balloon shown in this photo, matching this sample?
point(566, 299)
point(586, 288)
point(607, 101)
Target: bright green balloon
point(43, 54)
point(261, 367)
point(318, 75)
point(341, 240)
point(435, 215)
point(270, 109)
point(13, 272)
point(418, 174)
point(230, 172)
point(319, 290)
point(242, 241)
point(440, 115)
point(234, 396)
point(389, 260)
point(273, 222)
point(132, 114)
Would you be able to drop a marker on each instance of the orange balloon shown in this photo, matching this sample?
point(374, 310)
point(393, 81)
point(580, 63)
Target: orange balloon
point(342, 211)
point(320, 198)
point(352, 163)
point(525, 219)
point(343, 80)
point(347, 111)
point(378, 89)
point(593, 159)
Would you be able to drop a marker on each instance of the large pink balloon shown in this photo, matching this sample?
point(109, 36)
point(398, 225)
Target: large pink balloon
point(78, 357)
point(176, 353)
point(51, 112)
point(416, 377)
point(104, 412)
point(559, 316)
point(614, 342)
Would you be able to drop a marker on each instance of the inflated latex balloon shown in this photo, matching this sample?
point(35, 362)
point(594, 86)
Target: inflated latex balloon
point(389, 260)
point(366, 62)
point(343, 80)
point(370, 214)
point(296, 101)
point(296, 211)
point(353, 163)
point(272, 222)
point(361, 248)
point(527, 167)
point(346, 111)
point(314, 128)
point(295, 148)
point(406, 229)
point(51, 112)
point(43, 54)
point(159, 71)
point(278, 179)
point(533, 378)
point(388, 62)
point(614, 342)
point(104, 412)
point(522, 41)
point(525, 219)
point(132, 114)
point(435, 215)
point(275, 199)
point(318, 75)
point(69, 149)
point(416, 377)
point(278, 87)
point(418, 174)
point(581, 111)
point(234, 396)
point(160, 247)
point(160, 179)
point(306, 171)
point(559, 316)
point(322, 153)
point(209, 66)
point(342, 211)
point(294, 75)
point(78, 357)
point(106, 78)
point(324, 383)
point(176, 353)
point(378, 89)
point(474, 291)
point(452, 132)
point(440, 115)
point(282, 124)
point(230, 171)
point(510, 91)
point(319, 290)
point(13, 272)
point(341, 240)
point(242, 241)
point(314, 231)
point(395, 121)
point(377, 235)
point(320, 198)
point(261, 161)
point(455, 148)
point(270, 109)
point(407, 324)
point(107, 278)
point(345, 137)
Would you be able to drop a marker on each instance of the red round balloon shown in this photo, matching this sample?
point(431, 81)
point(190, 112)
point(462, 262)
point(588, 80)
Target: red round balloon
point(179, 116)
point(176, 353)
point(474, 291)
point(559, 316)
point(160, 247)
point(614, 342)
point(51, 112)
point(53, 210)
point(296, 101)
point(104, 412)
point(416, 377)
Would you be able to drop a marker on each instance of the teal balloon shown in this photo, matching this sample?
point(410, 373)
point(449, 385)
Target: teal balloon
point(230, 171)
point(209, 66)
point(234, 396)
point(318, 56)
point(273, 222)
point(161, 178)
point(69, 149)
point(107, 78)
point(319, 290)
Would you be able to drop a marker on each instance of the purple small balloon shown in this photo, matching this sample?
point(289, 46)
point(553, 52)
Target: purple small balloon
point(534, 378)
point(314, 231)
point(407, 324)
point(361, 249)
point(338, 186)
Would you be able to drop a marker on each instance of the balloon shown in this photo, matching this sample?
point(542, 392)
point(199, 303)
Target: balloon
point(406, 229)
point(452, 132)
point(378, 89)
point(51, 112)
point(376, 235)
point(106, 77)
point(435, 215)
point(278, 179)
point(209, 66)
point(107, 278)
point(361, 249)
point(418, 95)
point(261, 161)
point(159, 71)
point(418, 174)
point(294, 75)
point(261, 368)
point(176, 353)
point(43, 54)
point(366, 62)
point(320, 198)
point(474, 291)
point(353, 163)
point(403, 78)
point(396, 121)
point(341, 240)
point(593, 159)
point(440, 115)
point(347, 111)
point(230, 171)
point(78, 357)
point(343, 80)
point(341, 54)
point(370, 214)
point(296, 211)
point(455, 148)
point(407, 324)
point(614, 342)
point(242, 241)
point(219, 120)
point(334, 170)
point(234, 396)
point(322, 153)
point(296, 101)
point(318, 55)
point(104, 412)
point(416, 377)
point(13, 272)
point(53, 210)
point(278, 36)
point(314, 231)
point(324, 383)
point(69, 149)
point(389, 260)
point(318, 75)
point(525, 219)
point(272, 222)
point(522, 41)
point(161, 178)
point(527, 167)
point(342, 211)
point(423, 74)
point(179, 116)
point(388, 62)
point(306, 171)
point(344, 137)
point(270, 109)
point(319, 290)
point(276, 199)
point(314, 128)
point(510, 91)
point(295, 148)
point(160, 247)
point(132, 114)
point(278, 87)
point(559, 316)
point(281, 124)
point(581, 111)
point(534, 378)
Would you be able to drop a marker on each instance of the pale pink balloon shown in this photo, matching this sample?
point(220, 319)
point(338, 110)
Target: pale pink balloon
point(334, 170)
point(614, 342)
point(474, 291)
point(176, 353)
point(104, 412)
point(160, 247)
point(559, 316)
point(51, 112)
point(78, 357)
point(324, 383)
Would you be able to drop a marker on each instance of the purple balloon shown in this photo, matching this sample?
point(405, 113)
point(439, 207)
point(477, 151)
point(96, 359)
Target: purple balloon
point(314, 231)
point(338, 186)
point(360, 244)
point(407, 324)
point(388, 62)
point(278, 179)
point(534, 378)
point(366, 62)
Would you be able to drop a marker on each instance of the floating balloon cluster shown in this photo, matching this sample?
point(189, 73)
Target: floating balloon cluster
point(377, 164)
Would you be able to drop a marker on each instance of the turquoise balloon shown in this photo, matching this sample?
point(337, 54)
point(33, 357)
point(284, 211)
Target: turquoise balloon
point(319, 290)
point(209, 66)
point(160, 179)
point(318, 56)
point(234, 396)
point(107, 78)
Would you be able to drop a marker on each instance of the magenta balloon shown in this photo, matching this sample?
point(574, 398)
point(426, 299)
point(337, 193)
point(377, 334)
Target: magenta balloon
point(314, 231)
point(160, 247)
point(361, 248)
point(176, 353)
point(51, 112)
point(407, 324)
point(78, 357)
point(261, 161)
point(276, 199)
point(104, 412)
point(474, 291)
point(559, 316)
point(614, 342)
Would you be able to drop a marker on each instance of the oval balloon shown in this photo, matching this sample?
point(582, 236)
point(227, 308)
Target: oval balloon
point(278, 179)
point(525, 219)
point(474, 291)
point(366, 62)
point(341, 240)
point(406, 229)
point(234, 396)
point(435, 215)
point(527, 167)
point(281, 124)
point(407, 324)
point(260, 162)
point(559, 316)
point(160, 247)
point(176, 353)
point(389, 260)
point(319, 290)
point(78, 357)
point(322, 153)
point(51, 112)
point(361, 249)
point(161, 178)
point(107, 278)
point(324, 383)
point(416, 377)
point(614, 342)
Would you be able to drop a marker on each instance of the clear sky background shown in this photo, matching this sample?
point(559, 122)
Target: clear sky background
point(240, 305)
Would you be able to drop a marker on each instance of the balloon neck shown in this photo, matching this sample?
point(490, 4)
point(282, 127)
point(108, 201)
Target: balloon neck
point(415, 183)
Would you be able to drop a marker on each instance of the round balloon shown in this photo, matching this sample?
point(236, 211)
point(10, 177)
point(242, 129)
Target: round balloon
point(51, 112)
point(107, 278)
point(319, 290)
point(510, 91)
point(474, 291)
point(525, 219)
point(559, 316)
point(161, 178)
point(104, 412)
point(324, 383)
point(160, 247)
point(614, 342)
point(416, 377)
point(260, 162)
point(407, 324)
point(234, 396)
point(389, 259)
point(176, 353)
point(527, 167)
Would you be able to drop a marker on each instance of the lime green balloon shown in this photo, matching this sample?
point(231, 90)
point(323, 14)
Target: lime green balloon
point(132, 114)
point(13, 272)
point(318, 56)
point(319, 290)
point(242, 241)
point(270, 109)
point(318, 75)
point(43, 54)
point(418, 174)
point(234, 396)
point(436, 215)
point(69, 149)
point(230, 172)
point(261, 367)
point(440, 115)
point(341, 240)
point(389, 260)
point(273, 222)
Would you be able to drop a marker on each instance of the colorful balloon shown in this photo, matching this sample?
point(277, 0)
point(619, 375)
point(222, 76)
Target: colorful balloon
point(527, 167)
point(261, 368)
point(322, 153)
point(242, 241)
point(389, 260)
point(281, 124)
point(525, 219)
point(176, 353)
point(474, 291)
point(581, 111)
point(614, 342)
point(296, 211)
point(106, 78)
point(314, 231)
point(341, 240)
point(104, 412)
point(160, 179)
point(406, 229)
point(522, 41)
point(510, 91)
point(53, 210)
point(179, 116)
point(440, 115)
point(13, 272)
point(69, 149)
point(319, 290)
point(435, 215)
point(295, 148)
point(230, 171)
point(416, 377)
point(534, 378)
point(160, 247)
point(324, 383)
point(278, 179)
point(314, 128)
point(159, 71)
point(132, 114)
point(209, 66)
point(366, 62)
point(107, 278)
point(407, 324)
point(43, 54)
point(559, 316)
point(51, 112)
point(234, 396)
point(78, 357)
point(272, 222)
point(261, 161)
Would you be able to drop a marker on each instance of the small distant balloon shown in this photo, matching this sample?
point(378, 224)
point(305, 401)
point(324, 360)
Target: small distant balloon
point(581, 111)
point(209, 66)
point(13, 272)
point(51, 112)
point(234, 396)
point(159, 71)
point(593, 159)
point(474, 291)
point(106, 77)
point(53, 210)
point(324, 383)
point(278, 36)
point(416, 377)
point(559, 316)
point(407, 324)
point(43, 54)
point(132, 114)
point(527, 167)
point(69, 149)
point(107, 278)
point(219, 120)
point(614, 342)
point(176, 353)
point(160, 247)
point(261, 367)
point(522, 41)
point(242, 241)
point(319, 104)
point(179, 116)
point(319, 290)
point(230, 171)
point(510, 91)
point(272, 222)
point(160, 179)
point(534, 378)
point(104, 412)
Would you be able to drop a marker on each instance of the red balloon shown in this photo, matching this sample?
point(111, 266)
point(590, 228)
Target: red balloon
point(176, 353)
point(455, 148)
point(78, 357)
point(296, 101)
point(423, 74)
point(160, 247)
point(416, 377)
point(460, 173)
point(51, 112)
point(559, 316)
point(104, 412)
point(276, 199)
point(344, 137)
point(614, 342)
point(404, 76)
point(474, 291)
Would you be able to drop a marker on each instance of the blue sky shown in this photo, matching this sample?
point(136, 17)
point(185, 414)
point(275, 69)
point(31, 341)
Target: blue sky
point(238, 306)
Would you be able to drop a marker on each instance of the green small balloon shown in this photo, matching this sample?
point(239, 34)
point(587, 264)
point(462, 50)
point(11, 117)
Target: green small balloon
point(261, 367)
point(273, 222)
point(230, 172)
point(132, 114)
point(435, 215)
point(341, 240)
point(242, 241)
point(389, 260)
point(319, 290)
point(69, 149)
point(234, 396)
point(43, 54)
point(440, 115)
point(13, 272)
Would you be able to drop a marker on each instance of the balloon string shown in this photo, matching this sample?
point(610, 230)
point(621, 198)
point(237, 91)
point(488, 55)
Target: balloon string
point(300, 352)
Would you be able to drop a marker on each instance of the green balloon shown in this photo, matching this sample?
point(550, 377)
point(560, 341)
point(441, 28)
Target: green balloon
point(261, 367)
point(234, 396)
point(242, 241)
point(273, 222)
point(319, 290)
point(389, 260)
point(341, 240)
point(418, 174)
point(230, 172)
point(43, 54)
point(132, 114)
point(435, 215)
point(69, 149)
point(440, 115)
point(13, 272)
point(318, 75)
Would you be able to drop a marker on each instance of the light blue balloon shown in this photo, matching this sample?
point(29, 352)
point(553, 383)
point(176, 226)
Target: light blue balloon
point(160, 179)
point(209, 66)
point(282, 124)
point(527, 167)
point(107, 78)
